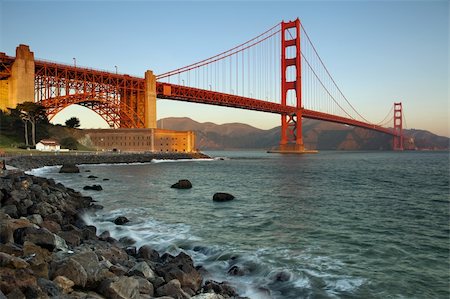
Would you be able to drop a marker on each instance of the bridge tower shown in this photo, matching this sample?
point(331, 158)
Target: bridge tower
point(291, 124)
point(398, 127)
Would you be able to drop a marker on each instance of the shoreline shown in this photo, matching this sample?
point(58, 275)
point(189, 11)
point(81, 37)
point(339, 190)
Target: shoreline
point(47, 250)
point(30, 162)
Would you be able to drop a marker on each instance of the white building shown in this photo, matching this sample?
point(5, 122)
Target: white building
point(48, 145)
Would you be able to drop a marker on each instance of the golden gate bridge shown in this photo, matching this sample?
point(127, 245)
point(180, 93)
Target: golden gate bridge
point(278, 71)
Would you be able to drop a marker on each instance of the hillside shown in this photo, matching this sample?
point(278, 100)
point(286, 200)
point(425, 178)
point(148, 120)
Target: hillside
point(317, 135)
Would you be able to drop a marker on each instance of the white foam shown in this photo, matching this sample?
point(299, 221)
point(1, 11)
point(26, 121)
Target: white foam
point(180, 160)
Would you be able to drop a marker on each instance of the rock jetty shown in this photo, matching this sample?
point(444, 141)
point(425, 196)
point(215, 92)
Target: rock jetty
point(47, 251)
point(27, 162)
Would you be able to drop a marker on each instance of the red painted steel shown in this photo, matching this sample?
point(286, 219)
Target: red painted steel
point(398, 127)
point(203, 96)
point(291, 124)
point(119, 99)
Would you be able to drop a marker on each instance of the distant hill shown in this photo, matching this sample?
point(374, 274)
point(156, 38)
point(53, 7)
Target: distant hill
point(317, 135)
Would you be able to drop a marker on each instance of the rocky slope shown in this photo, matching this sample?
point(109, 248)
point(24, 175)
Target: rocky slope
point(47, 251)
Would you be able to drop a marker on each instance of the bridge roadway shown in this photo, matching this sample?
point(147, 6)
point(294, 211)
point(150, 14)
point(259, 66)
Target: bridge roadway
point(194, 95)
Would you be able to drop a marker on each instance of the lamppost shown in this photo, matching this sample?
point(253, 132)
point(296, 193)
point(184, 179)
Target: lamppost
point(74, 62)
point(116, 68)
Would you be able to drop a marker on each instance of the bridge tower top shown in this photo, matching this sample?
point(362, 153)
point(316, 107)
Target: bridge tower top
point(398, 127)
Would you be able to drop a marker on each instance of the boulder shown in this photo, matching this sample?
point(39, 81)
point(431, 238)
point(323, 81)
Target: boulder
point(172, 289)
point(92, 177)
point(148, 253)
point(64, 283)
point(236, 271)
point(93, 187)
point(69, 168)
point(49, 287)
point(121, 220)
point(10, 261)
point(19, 280)
point(145, 286)
point(182, 269)
point(221, 197)
point(222, 288)
point(182, 184)
point(121, 288)
point(142, 269)
point(40, 236)
point(72, 270)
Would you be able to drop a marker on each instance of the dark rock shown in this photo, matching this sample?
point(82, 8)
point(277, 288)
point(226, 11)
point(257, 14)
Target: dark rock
point(142, 269)
point(182, 269)
point(12, 249)
point(172, 289)
point(222, 288)
point(49, 287)
point(121, 220)
point(96, 207)
point(38, 258)
point(16, 280)
point(89, 232)
point(148, 253)
point(182, 184)
point(236, 271)
point(106, 179)
point(122, 287)
point(104, 235)
point(157, 282)
point(7, 260)
point(93, 187)
point(72, 238)
point(127, 241)
point(51, 225)
point(70, 269)
point(145, 287)
point(131, 250)
point(11, 210)
point(92, 177)
point(87, 170)
point(282, 276)
point(40, 236)
point(221, 197)
point(69, 168)
point(118, 270)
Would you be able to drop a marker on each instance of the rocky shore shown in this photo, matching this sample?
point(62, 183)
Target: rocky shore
point(47, 251)
point(35, 161)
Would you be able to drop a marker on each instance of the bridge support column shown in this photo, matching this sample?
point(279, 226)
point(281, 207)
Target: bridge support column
point(397, 143)
point(19, 87)
point(150, 100)
point(291, 124)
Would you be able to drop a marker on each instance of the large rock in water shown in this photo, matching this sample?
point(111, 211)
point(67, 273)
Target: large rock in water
point(182, 184)
point(222, 197)
point(69, 168)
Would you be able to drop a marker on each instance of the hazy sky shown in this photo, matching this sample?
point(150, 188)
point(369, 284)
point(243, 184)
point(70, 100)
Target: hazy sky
point(378, 51)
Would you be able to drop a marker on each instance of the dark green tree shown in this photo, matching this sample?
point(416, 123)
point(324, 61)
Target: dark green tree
point(32, 113)
point(69, 143)
point(73, 122)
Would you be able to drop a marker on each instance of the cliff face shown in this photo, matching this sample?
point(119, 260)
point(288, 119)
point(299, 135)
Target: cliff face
point(317, 135)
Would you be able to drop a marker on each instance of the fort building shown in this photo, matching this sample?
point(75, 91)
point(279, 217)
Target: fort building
point(140, 140)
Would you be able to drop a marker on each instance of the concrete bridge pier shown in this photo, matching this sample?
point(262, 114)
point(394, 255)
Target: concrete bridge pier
point(150, 100)
point(19, 86)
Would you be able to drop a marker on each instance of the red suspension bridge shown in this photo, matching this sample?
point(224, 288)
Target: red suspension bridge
point(279, 71)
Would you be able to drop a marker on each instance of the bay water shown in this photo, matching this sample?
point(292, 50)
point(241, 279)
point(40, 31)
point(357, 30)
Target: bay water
point(328, 225)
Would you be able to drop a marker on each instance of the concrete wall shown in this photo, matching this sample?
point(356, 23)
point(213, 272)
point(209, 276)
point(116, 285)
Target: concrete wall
point(150, 100)
point(140, 140)
point(19, 87)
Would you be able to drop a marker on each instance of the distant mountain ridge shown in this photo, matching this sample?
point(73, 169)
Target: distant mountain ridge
point(317, 135)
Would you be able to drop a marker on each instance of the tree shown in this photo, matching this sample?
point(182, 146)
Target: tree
point(73, 122)
point(69, 143)
point(31, 112)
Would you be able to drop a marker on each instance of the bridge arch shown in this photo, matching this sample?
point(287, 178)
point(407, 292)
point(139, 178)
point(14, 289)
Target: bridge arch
point(115, 113)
